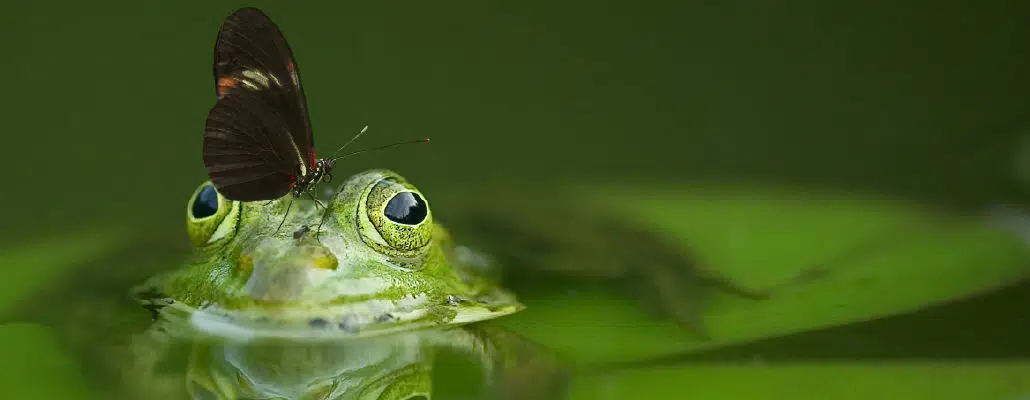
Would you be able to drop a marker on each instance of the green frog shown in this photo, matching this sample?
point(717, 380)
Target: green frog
point(337, 300)
point(378, 264)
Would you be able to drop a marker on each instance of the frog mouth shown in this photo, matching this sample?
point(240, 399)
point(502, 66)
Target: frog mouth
point(355, 320)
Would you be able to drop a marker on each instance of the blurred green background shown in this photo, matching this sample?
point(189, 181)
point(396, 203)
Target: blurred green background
point(104, 104)
point(105, 101)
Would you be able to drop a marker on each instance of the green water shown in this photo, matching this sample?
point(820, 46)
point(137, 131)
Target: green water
point(104, 106)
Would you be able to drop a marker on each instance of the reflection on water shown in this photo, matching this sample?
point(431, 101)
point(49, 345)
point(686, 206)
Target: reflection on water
point(395, 366)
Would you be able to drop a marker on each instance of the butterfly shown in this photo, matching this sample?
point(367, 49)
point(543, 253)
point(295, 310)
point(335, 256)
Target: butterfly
point(258, 142)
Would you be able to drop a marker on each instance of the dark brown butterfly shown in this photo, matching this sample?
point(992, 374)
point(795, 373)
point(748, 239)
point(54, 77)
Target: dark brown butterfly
point(258, 143)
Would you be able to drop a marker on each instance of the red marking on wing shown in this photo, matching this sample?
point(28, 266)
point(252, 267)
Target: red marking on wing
point(293, 181)
point(312, 158)
point(289, 64)
point(226, 83)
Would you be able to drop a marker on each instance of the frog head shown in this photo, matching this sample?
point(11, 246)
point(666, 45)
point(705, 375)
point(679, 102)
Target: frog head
point(369, 260)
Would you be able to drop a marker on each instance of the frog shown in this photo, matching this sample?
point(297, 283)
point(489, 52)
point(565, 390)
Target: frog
point(378, 264)
point(300, 286)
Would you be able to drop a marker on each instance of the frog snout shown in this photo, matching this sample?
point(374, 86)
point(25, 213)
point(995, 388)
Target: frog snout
point(282, 273)
point(313, 256)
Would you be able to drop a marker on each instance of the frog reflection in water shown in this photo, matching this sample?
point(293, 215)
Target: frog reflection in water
point(337, 316)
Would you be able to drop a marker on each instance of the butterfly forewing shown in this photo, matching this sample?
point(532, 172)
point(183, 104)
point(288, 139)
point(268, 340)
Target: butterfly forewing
point(258, 139)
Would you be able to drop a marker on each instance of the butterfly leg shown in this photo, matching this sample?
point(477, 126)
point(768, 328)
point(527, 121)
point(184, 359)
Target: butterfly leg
point(288, 207)
point(324, 213)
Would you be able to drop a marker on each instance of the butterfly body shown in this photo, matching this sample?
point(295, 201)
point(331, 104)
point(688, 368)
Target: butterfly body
point(321, 171)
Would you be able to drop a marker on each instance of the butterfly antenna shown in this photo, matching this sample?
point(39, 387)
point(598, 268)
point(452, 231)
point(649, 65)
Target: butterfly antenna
point(356, 152)
point(360, 134)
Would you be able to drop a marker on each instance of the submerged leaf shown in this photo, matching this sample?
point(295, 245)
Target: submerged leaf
point(830, 259)
point(800, 381)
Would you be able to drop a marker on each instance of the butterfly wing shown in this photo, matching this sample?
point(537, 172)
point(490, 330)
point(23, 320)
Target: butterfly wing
point(247, 153)
point(251, 52)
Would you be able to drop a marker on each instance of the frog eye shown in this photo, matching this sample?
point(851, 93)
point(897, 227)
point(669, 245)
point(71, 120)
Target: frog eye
point(406, 208)
point(399, 216)
point(205, 203)
point(210, 217)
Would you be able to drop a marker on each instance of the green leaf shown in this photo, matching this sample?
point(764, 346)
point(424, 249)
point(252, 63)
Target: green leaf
point(838, 381)
point(760, 237)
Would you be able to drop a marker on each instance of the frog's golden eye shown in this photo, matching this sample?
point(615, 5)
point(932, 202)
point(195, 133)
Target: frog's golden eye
point(210, 217)
point(399, 216)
